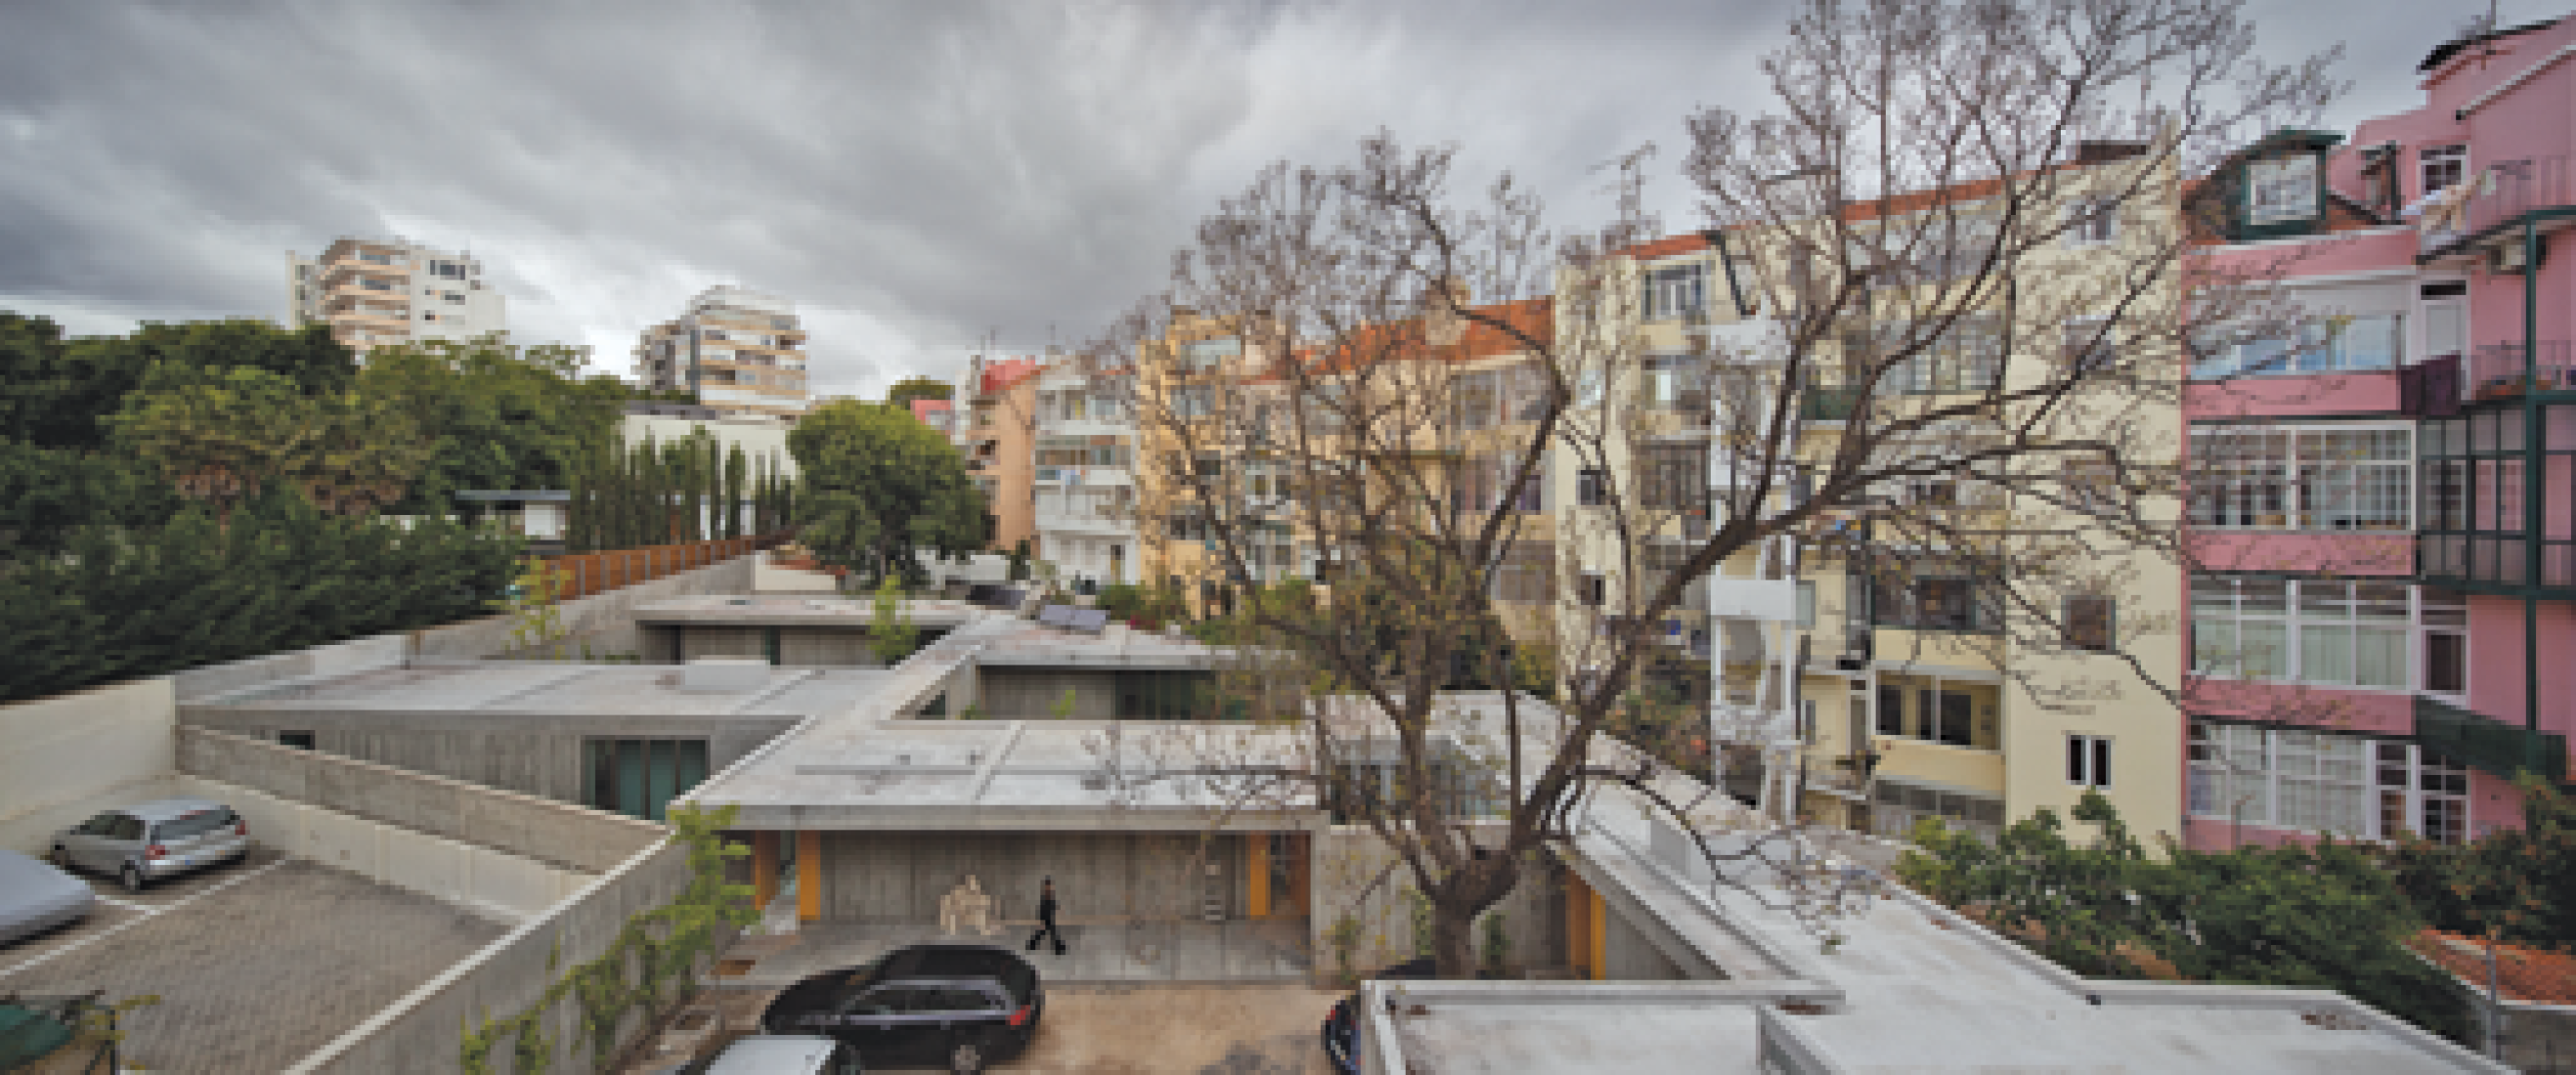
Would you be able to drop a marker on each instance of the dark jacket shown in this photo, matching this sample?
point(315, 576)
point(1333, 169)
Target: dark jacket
point(1046, 907)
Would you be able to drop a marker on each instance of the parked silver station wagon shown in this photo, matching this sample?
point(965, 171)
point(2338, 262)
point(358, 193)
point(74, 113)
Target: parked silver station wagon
point(144, 843)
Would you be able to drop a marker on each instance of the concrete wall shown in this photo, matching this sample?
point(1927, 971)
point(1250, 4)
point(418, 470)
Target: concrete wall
point(354, 655)
point(798, 647)
point(495, 882)
point(1627, 956)
point(1099, 877)
point(592, 841)
point(1028, 693)
point(72, 755)
point(1349, 859)
point(421, 1032)
point(605, 622)
point(533, 753)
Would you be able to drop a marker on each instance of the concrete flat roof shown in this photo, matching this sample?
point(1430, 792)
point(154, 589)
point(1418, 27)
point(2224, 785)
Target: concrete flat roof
point(870, 765)
point(1912, 986)
point(800, 610)
point(559, 688)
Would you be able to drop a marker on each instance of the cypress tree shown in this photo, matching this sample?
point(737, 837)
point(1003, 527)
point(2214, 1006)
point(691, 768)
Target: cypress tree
point(737, 467)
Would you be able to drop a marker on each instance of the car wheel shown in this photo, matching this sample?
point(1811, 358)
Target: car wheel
point(968, 1059)
point(131, 877)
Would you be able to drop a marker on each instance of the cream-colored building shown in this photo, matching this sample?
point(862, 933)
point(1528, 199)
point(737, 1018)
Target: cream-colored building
point(740, 351)
point(1931, 686)
point(374, 292)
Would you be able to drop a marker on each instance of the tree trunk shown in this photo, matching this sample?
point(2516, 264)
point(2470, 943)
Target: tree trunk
point(1453, 939)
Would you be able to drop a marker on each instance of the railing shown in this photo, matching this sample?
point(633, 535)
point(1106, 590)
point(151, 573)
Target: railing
point(1828, 403)
point(2497, 560)
point(2487, 744)
point(2497, 371)
point(2498, 194)
point(590, 573)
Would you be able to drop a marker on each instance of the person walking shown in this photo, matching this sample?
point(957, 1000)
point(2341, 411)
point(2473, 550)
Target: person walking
point(1046, 918)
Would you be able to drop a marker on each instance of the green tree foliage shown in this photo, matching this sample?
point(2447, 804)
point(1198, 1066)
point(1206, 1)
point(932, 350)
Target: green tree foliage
point(123, 602)
point(912, 388)
point(217, 436)
point(737, 481)
point(2325, 916)
point(875, 487)
point(495, 416)
point(891, 633)
point(2521, 883)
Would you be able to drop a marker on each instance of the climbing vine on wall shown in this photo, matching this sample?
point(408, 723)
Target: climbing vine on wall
point(642, 970)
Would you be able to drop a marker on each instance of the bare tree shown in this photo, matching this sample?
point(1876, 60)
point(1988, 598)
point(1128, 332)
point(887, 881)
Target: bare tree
point(1952, 342)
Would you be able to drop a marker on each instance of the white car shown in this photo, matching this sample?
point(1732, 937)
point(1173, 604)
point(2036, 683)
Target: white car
point(141, 844)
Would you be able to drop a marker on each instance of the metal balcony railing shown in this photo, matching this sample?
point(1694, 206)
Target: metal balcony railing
point(2487, 744)
point(1829, 403)
point(2496, 370)
point(2496, 195)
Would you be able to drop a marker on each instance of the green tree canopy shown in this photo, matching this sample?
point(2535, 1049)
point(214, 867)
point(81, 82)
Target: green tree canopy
point(875, 487)
point(2326, 916)
point(495, 416)
point(2521, 883)
point(912, 388)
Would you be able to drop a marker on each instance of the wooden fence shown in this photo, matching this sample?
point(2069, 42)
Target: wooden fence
point(590, 573)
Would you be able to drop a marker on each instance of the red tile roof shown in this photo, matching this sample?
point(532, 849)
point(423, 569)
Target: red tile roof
point(1006, 374)
point(1535, 318)
point(2531, 975)
point(1667, 246)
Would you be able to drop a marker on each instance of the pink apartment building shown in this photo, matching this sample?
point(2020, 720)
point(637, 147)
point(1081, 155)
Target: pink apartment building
point(2383, 592)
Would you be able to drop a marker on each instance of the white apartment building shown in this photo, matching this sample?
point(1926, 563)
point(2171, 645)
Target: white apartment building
point(1085, 481)
point(375, 292)
point(740, 351)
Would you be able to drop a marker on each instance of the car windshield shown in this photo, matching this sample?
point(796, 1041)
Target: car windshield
point(196, 824)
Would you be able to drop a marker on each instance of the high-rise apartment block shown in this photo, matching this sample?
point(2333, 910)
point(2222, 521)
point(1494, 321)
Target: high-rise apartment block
point(375, 292)
point(740, 351)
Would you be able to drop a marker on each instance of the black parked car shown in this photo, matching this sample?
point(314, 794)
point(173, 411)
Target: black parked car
point(964, 1005)
point(1342, 1027)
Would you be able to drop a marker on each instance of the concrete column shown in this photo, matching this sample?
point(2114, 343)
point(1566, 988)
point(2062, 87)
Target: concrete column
point(809, 876)
point(1578, 925)
point(1256, 873)
point(764, 869)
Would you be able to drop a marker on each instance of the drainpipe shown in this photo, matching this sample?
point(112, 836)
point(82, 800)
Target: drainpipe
point(2534, 441)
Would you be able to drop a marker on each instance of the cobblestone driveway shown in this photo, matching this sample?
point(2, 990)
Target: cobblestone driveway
point(256, 965)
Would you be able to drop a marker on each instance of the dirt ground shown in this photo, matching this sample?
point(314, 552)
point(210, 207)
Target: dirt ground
point(1197, 1029)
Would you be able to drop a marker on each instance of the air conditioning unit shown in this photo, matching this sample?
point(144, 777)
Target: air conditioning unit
point(2508, 258)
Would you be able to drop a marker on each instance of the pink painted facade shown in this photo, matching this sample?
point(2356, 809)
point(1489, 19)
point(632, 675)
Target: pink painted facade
point(2406, 240)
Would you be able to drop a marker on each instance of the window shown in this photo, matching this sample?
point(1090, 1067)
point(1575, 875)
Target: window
point(1596, 589)
point(2442, 618)
point(1931, 596)
point(449, 269)
point(1591, 488)
point(2088, 760)
point(2093, 221)
point(2339, 477)
point(2089, 623)
point(299, 740)
point(1676, 291)
point(640, 777)
point(2290, 778)
point(1966, 358)
point(1476, 402)
point(1891, 710)
point(1193, 401)
point(2327, 633)
point(1674, 383)
point(2443, 167)
point(1206, 355)
point(1676, 477)
point(2282, 190)
point(2090, 344)
point(1806, 605)
point(2340, 344)
point(457, 297)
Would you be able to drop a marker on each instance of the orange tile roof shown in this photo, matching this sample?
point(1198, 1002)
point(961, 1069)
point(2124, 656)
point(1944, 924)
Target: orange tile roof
point(2531, 975)
point(1535, 318)
point(1002, 376)
point(1668, 246)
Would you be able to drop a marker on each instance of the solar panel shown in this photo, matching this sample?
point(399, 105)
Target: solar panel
point(1056, 615)
point(1089, 621)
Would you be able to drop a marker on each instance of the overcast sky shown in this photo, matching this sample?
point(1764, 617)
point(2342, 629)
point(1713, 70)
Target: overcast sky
point(914, 176)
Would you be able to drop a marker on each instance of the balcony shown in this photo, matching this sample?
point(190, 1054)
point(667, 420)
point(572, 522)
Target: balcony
point(1829, 403)
point(2493, 560)
point(2487, 744)
point(2497, 371)
point(2497, 197)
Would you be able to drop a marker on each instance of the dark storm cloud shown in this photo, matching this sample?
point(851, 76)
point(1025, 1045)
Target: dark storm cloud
point(914, 176)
